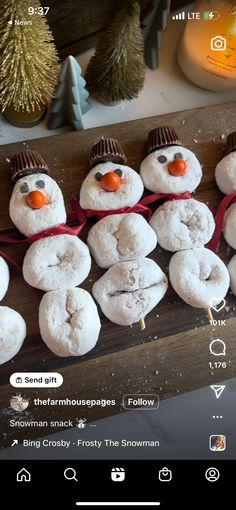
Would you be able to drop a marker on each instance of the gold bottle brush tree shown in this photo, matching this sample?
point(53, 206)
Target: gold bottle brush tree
point(28, 62)
point(207, 50)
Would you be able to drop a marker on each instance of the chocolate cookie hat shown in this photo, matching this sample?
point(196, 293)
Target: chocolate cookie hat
point(163, 136)
point(26, 163)
point(231, 142)
point(107, 149)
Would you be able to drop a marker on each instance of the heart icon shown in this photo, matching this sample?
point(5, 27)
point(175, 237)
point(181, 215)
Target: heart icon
point(217, 303)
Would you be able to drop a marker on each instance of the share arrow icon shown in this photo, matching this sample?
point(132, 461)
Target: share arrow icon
point(218, 389)
point(15, 441)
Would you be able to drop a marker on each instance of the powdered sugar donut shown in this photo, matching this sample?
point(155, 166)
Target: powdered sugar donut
point(69, 322)
point(230, 226)
point(128, 291)
point(12, 333)
point(30, 220)
point(95, 195)
point(155, 171)
point(121, 237)
point(232, 274)
point(198, 275)
point(225, 174)
point(183, 224)
point(56, 262)
point(4, 277)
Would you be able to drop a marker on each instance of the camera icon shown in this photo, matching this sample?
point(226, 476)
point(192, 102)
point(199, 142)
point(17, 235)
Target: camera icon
point(218, 43)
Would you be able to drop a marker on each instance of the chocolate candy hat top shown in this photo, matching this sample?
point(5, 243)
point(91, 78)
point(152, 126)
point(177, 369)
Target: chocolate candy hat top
point(231, 142)
point(107, 149)
point(163, 136)
point(27, 163)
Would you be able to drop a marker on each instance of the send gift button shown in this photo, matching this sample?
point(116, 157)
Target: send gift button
point(36, 380)
point(143, 401)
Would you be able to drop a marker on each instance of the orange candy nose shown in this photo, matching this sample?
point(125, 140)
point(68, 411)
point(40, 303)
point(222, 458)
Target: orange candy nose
point(111, 181)
point(177, 167)
point(36, 199)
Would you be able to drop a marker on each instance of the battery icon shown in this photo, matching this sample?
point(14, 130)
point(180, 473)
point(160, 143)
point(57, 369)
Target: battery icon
point(211, 15)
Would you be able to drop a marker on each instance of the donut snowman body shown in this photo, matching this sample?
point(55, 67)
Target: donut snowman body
point(55, 264)
point(225, 175)
point(118, 241)
point(179, 224)
point(173, 169)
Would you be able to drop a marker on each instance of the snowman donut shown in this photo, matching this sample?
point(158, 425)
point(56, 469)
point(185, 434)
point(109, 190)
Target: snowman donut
point(128, 291)
point(225, 175)
point(36, 206)
point(12, 324)
point(118, 241)
point(60, 262)
point(199, 275)
point(169, 167)
point(128, 235)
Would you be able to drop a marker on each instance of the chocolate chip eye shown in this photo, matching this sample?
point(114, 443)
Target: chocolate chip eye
point(40, 184)
point(98, 176)
point(162, 159)
point(118, 171)
point(24, 188)
point(178, 155)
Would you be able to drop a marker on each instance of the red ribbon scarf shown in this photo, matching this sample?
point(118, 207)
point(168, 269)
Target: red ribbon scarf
point(219, 221)
point(167, 196)
point(140, 207)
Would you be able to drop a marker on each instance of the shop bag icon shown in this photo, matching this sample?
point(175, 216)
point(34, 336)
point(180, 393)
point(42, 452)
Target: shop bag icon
point(165, 475)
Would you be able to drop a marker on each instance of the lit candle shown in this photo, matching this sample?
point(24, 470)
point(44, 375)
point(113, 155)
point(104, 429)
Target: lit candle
point(207, 50)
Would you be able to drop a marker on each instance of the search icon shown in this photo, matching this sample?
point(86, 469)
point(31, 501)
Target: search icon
point(70, 474)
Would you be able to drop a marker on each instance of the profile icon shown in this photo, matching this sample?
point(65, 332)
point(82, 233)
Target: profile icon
point(217, 443)
point(212, 474)
point(18, 403)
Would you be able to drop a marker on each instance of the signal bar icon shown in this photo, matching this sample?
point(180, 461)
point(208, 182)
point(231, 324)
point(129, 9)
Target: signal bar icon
point(180, 16)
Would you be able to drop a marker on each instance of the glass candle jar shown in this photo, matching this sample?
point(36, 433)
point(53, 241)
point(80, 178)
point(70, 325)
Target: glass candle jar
point(207, 49)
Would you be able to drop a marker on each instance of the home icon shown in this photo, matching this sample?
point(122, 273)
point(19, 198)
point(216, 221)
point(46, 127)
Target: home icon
point(23, 476)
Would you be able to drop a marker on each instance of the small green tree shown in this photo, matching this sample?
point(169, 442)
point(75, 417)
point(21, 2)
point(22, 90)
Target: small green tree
point(71, 97)
point(116, 71)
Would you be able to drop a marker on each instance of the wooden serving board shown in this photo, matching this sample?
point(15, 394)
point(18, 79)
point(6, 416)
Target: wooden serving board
point(171, 355)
